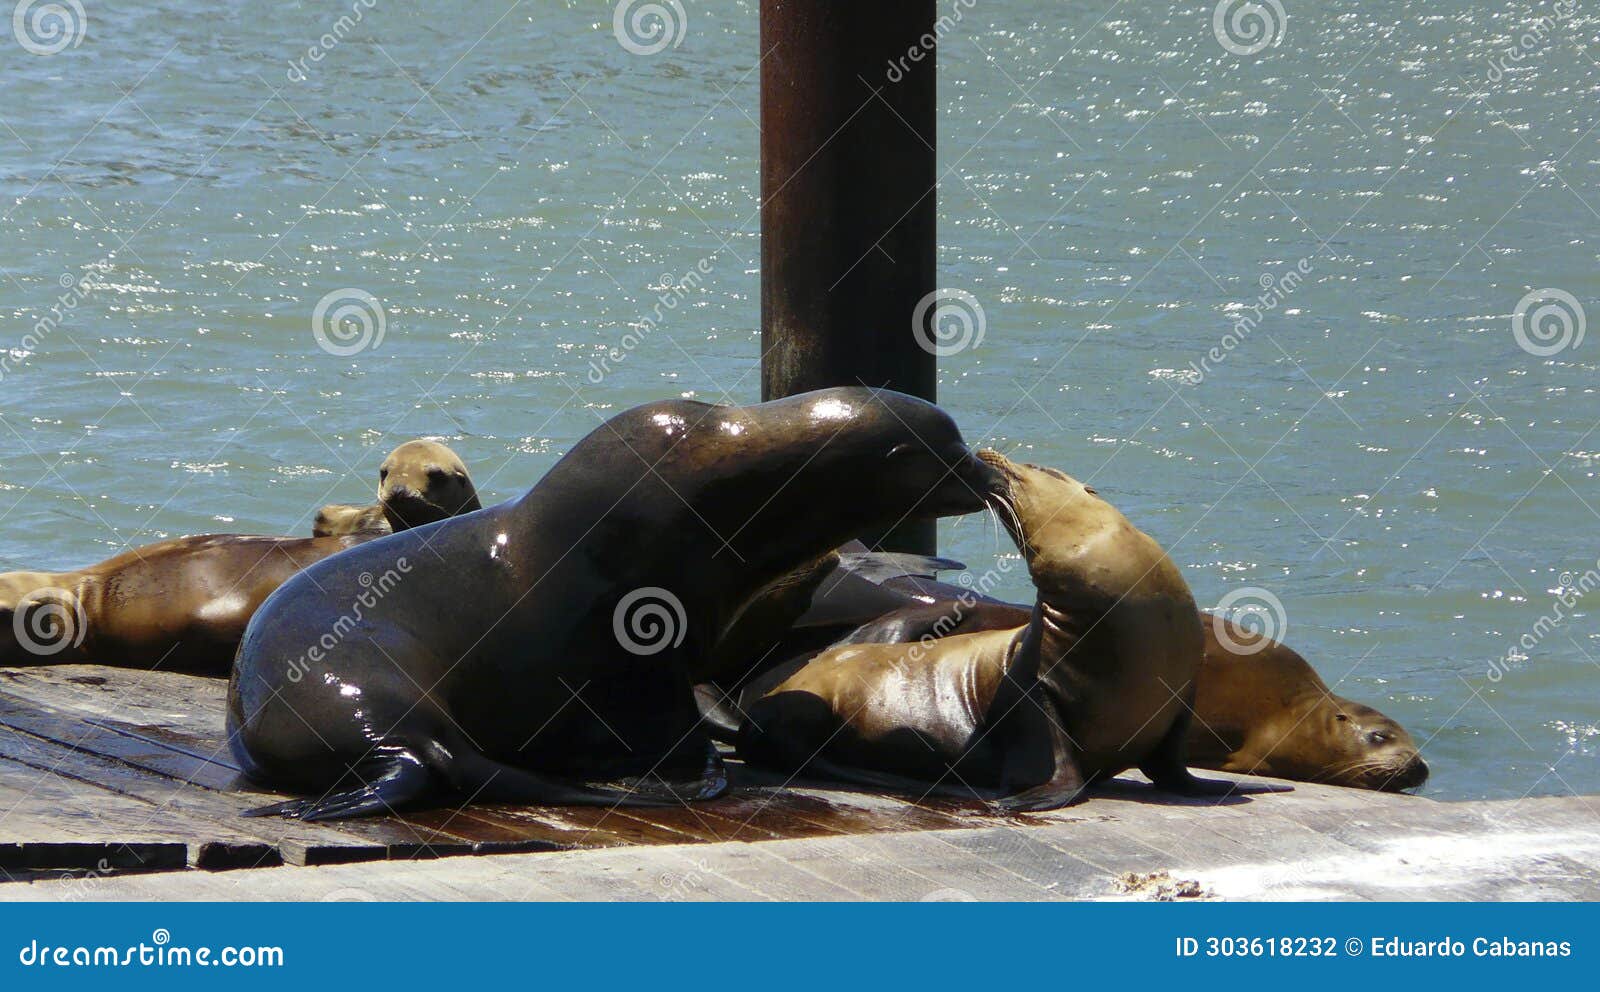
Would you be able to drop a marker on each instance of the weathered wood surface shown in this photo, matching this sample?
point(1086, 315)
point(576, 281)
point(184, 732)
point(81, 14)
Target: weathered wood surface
point(104, 770)
point(1393, 848)
point(119, 785)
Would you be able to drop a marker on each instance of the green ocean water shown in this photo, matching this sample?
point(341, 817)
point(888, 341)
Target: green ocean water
point(514, 189)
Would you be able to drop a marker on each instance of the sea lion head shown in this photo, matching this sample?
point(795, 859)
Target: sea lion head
point(1070, 537)
point(424, 481)
point(1373, 751)
point(840, 454)
point(1289, 725)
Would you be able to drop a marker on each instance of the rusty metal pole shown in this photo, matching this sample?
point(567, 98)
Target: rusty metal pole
point(848, 200)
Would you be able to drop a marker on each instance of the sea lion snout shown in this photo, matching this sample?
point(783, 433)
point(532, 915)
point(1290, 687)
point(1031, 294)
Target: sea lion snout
point(1409, 776)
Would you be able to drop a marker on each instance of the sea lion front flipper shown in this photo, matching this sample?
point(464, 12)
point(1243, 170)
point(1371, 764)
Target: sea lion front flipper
point(1167, 766)
point(1066, 785)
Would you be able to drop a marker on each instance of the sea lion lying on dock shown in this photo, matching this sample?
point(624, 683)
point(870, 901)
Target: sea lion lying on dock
point(544, 650)
point(1099, 680)
point(1260, 708)
point(180, 604)
point(420, 482)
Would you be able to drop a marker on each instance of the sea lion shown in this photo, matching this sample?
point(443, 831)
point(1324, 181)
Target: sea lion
point(339, 519)
point(1260, 708)
point(544, 650)
point(420, 482)
point(1099, 680)
point(183, 604)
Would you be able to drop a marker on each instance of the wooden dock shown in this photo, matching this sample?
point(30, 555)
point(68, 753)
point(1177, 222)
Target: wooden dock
point(119, 785)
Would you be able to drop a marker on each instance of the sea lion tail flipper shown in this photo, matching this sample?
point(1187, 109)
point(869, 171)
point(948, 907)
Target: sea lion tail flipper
point(878, 567)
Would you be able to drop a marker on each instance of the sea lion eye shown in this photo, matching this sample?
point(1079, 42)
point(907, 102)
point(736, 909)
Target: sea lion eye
point(383, 473)
point(1377, 737)
point(435, 474)
point(1342, 718)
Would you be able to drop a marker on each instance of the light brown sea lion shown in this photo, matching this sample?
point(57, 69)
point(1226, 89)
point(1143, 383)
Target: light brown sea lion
point(420, 482)
point(1098, 681)
point(183, 604)
point(546, 649)
point(339, 519)
point(1260, 708)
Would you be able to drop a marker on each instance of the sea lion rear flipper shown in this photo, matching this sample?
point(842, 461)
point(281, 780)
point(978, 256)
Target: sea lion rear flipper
point(878, 567)
point(389, 781)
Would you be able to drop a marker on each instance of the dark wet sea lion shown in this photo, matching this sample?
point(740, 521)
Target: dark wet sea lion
point(1096, 682)
point(180, 604)
point(1260, 708)
point(544, 649)
point(419, 483)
